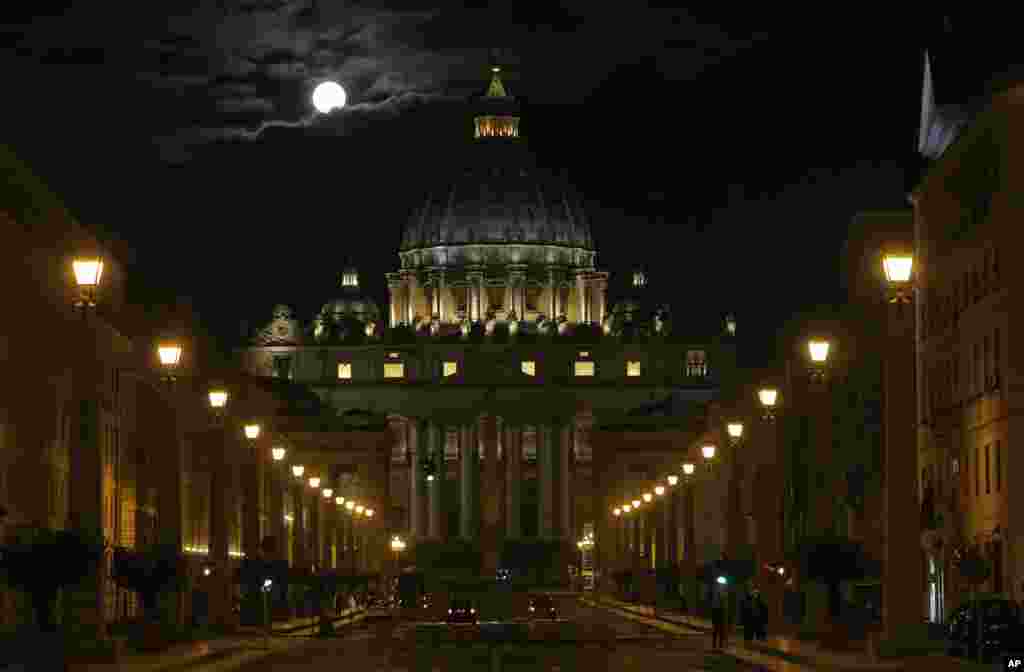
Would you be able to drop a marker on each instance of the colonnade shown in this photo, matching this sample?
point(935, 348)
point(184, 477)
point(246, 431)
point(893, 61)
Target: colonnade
point(432, 294)
point(490, 452)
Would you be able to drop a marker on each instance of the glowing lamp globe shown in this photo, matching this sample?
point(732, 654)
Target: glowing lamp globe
point(314, 481)
point(169, 354)
point(327, 493)
point(688, 468)
point(359, 508)
point(648, 497)
point(626, 508)
point(898, 267)
point(218, 398)
point(350, 505)
point(616, 512)
point(339, 500)
point(88, 272)
point(708, 452)
point(768, 396)
point(298, 470)
point(278, 453)
point(329, 96)
point(735, 430)
point(673, 479)
point(368, 513)
point(636, 503)
point(819, 351)
point(252, 431)
point(659, 490)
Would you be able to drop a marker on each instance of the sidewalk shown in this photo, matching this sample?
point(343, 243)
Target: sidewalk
point(800, 654)
point(250, 643)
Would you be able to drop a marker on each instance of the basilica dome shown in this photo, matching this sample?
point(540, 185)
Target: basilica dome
point(500, 194)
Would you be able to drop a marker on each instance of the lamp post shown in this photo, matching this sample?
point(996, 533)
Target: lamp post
point(901, 572)
point(818, 349)
point(768, 397)
point(397, 546)
point(218, 397)
point(770, 514)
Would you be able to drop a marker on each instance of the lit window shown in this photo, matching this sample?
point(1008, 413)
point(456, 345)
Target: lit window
point(584, 368)
point(345, 370)
point(450, 368)
point(584, 355)
point(632, 369)
point(349, 279)
point(394, 370)
point(393, 355)
point(529, 368)
point(639, 279)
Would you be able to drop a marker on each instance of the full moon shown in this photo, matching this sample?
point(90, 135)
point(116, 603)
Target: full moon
point(329, 96)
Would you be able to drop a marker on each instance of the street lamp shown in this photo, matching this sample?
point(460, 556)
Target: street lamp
point(636, 503)
point(768, 396)
point(659, 490)
point(88, 273)
point(349, 505)
point(688, 468)
point(819, 350)
point(339, 500)
point(252, 431)
point(314, 482)
point(359, 509)
point(298, 470)
point(735, 430)
point(626, 508)
point(278, 453)
point(368, 513)
point(616, 512)
point(648, 497)
point(218, 401)
point(898, 270)
point(170, 356)
point(327, 493)
point(672, 479)
point(708, 451)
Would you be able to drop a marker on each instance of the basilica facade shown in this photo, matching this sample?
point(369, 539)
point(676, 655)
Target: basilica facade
point(497, 360)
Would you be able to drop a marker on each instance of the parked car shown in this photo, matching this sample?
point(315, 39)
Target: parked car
point(1002, 628)
point(542, 606)
point(462, 611)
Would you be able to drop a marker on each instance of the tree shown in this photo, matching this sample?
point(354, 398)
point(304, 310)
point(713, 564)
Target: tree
point(148, 572)
point(833, 560)
point(42, 561)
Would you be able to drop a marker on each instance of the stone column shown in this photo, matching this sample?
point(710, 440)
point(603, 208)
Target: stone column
point(412, 298)
point(581, 298)
point(220, 487)
point(902, 576)
point(469, 482)
point(490, 532)
point(327, 522)
point(435, 488)
point(315, 528)
point(513, 481)
point(441, 294)
point(598, 286)
point(474, 275)
point(33, 431)
point(418, 448)
point(276, 528)
point(553, 297)
point(300, 559)
point(252, 473)
point(564, 445)
point(547, 461)
point(395, 290)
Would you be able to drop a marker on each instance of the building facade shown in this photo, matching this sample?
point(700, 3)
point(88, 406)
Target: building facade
point(499, 356)
point(965, 209)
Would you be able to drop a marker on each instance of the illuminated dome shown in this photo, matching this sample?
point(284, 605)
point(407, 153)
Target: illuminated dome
point(499, 196)
point(350, 308)
point(499, 241)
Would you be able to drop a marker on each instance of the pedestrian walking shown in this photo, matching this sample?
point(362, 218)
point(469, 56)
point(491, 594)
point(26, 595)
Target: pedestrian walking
point(717, 619)
point(760, 609)
point(748, 618)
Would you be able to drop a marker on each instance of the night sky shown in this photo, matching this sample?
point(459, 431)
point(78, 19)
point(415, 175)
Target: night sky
point(726, 151)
